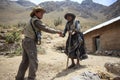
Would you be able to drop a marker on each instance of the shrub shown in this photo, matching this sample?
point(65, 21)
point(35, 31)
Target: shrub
point(58, 21)
point(18, 51)
point(4, 26)
point(12, 37)
point(21, 24)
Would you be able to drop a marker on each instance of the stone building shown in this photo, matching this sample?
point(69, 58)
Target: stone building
point(104, 37)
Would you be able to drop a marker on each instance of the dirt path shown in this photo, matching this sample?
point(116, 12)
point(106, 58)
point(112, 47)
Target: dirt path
point(52, 64)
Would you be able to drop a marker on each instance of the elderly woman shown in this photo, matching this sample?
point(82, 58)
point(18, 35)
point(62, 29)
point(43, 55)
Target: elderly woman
point(75, 42)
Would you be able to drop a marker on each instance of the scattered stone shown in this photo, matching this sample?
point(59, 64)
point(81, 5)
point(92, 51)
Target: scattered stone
point(115, 53)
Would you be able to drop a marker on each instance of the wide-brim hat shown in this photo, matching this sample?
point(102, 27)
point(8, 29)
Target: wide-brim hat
point(36, 9)
point(69, 14)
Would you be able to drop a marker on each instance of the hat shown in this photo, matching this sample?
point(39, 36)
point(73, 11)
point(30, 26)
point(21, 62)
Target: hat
point(69, 14)
point(36, 9)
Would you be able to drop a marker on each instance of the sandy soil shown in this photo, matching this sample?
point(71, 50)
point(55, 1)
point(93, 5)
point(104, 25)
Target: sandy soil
point(52, 65)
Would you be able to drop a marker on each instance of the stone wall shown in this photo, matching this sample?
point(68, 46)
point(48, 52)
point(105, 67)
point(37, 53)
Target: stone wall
point(109, 40)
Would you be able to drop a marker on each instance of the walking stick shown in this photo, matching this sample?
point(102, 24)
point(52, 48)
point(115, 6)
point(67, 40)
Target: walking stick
point(69, 46)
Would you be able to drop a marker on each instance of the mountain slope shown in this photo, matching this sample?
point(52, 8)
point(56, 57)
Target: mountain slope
point(25, 3)
point(12, 13)
point(90, 9)
point(87, 12)
point(113, 10)
point(86, 9)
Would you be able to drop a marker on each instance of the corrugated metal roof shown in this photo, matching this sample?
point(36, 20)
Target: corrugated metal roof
point(102, 25)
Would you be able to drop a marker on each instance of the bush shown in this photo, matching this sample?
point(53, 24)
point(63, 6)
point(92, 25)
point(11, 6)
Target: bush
point(21, 24)
point(4, 26)
point(12, 37)
point(13, 49)
point(18, 51)
point(13, 53)
point(58, 21)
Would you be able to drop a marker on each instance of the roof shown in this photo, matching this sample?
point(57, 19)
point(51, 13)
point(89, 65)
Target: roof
point(102, 25)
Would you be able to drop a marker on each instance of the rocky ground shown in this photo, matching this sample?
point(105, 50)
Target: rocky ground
point(52, 63)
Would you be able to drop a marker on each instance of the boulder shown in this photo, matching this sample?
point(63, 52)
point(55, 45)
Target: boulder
point(116, 78)
point(113, 67)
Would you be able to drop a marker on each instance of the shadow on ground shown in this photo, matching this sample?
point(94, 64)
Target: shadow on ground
point(67, 71)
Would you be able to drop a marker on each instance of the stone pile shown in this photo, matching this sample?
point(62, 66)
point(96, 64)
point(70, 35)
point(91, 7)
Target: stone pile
point(115, 53)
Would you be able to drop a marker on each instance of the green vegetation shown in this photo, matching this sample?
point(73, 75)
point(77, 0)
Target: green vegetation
point(12, 37)
point(58, 21)
point(2, 26)
point(14, 51)
point(21, 24)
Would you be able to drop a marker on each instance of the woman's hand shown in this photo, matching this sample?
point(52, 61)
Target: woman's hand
point(61, 34)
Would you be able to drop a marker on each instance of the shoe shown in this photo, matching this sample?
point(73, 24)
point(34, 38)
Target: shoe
point(71, 66)
point(19, 78)
point(85, 56)
point(31, 78)
point(77, 66)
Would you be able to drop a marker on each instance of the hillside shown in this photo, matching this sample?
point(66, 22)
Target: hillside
point(10, 12)
point(14, 12)
point(113, 10)
point(88, 12)
point(87, 9)
point(25, 3)
point(85, 22)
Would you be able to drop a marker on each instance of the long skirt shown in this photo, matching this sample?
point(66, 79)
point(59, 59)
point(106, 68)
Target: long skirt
point(75, 46)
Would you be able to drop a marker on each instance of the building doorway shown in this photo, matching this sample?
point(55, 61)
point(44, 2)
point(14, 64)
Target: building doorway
point(97, 43)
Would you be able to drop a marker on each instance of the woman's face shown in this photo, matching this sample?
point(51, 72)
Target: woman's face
point(69, 18)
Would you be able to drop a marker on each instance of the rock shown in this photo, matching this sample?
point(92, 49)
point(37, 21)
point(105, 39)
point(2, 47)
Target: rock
point(104, 75)
point(86, 76)
point(2, 41)
point(117, 78)
point(3, 47)
point(1, 53)
point(113, 68)
point(2, 36)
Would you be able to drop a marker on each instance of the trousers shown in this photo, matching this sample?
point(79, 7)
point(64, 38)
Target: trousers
point(29, 60)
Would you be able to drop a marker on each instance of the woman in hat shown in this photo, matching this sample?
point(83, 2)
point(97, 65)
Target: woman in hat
point(32, 34)
point(75, 42)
